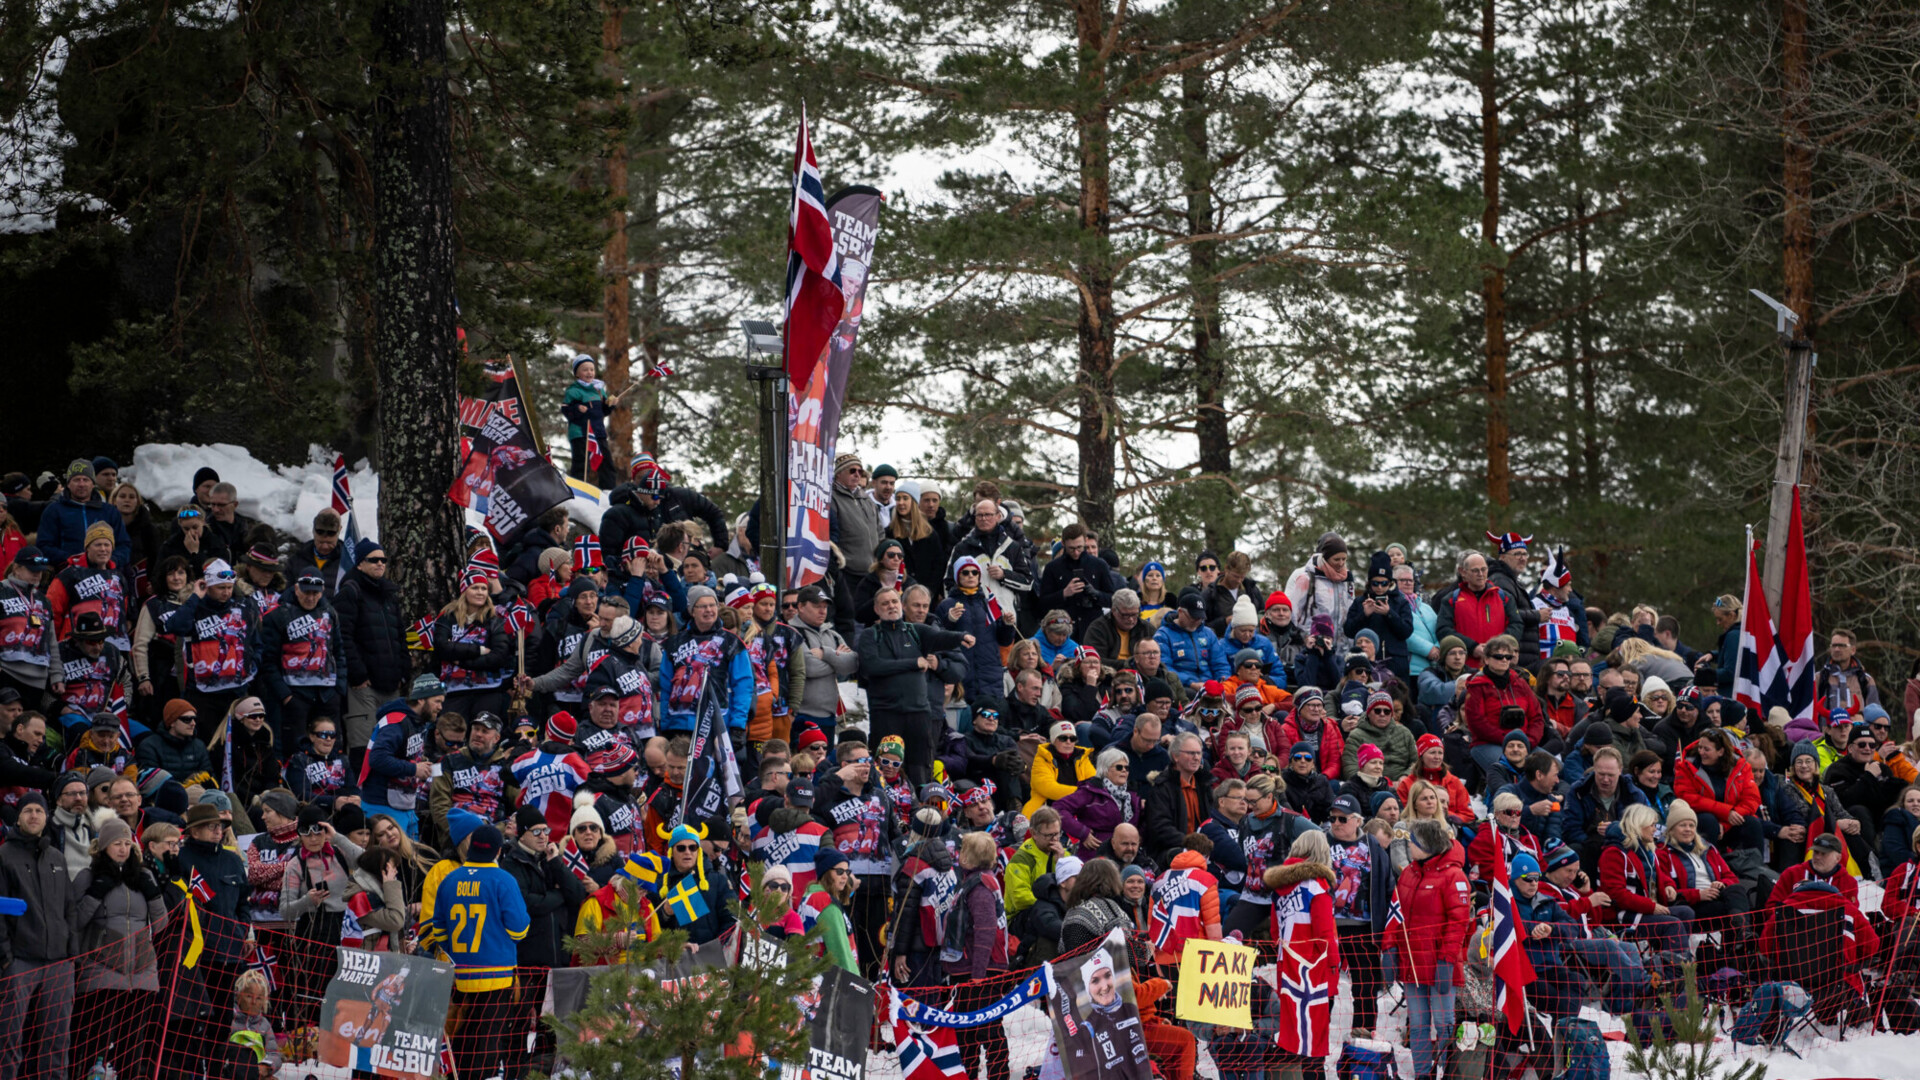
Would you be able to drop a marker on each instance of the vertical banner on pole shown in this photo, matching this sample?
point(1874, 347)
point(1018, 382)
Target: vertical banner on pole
point(813, 409)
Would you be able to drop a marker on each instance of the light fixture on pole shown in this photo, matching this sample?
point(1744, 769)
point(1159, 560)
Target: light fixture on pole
point(767, 367)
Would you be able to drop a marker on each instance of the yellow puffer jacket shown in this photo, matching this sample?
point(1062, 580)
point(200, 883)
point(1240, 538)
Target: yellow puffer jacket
point(1045, 781)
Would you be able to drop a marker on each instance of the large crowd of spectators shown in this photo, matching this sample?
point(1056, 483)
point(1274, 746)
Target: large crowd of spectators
point(965, 751)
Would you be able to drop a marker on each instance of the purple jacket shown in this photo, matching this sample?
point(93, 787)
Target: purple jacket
point(1090, 814)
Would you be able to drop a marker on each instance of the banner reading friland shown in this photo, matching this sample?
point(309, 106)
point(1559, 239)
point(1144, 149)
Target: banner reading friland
point(813, 410)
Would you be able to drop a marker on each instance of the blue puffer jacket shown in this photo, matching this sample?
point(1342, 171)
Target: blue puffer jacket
point(64, 525)
point(1269, 656)
point(1194, 655)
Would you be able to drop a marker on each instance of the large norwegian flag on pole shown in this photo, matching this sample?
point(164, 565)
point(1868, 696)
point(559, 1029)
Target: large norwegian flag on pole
point(1512, 970)
point(1758, 682)
point(343, 505)
point(814, 298)
point(1796, 621)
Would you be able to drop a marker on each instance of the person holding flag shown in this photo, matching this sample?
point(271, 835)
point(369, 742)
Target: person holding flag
point(1506, 949)
point(693, 892)
point(1308, 965)
point(214, 879)
point(585, 406)
point(1423, 945)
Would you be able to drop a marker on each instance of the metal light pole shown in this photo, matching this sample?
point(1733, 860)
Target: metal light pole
point(767, 367)
point(1793, 435)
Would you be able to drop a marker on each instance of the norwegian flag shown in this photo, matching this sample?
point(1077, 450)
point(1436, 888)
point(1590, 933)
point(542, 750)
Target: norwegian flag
point(1175, 911)
point(353, 933)
point(446, 1057)
point(659, 371)
point(576, 860)
point(482, 557)
point(1758, 678)
point(1512, 970)
point(938, 891)
point(1307, 968)
point(1308, 995)
point(198, 888)
point(420, 634)
point(596, 454)
point(261, 959)
point(1394, 925)
point(517, 615)
point(931, 1053)
point(815, 301)
point(117, 705)
point(343, 505)
point(586, 553)
point(1797, 650)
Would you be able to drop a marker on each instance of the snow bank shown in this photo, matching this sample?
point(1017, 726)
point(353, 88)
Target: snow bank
point(286, 496)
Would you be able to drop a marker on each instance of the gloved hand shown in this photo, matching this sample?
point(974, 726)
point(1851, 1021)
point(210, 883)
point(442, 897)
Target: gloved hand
point(1390, 966)
point(1443, 974)
point(102, 885)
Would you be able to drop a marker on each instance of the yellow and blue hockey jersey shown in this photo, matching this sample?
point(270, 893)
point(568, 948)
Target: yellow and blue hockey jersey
point(478, 915)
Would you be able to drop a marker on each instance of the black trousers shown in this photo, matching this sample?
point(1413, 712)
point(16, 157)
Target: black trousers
point(1360, 955)
point(305, 706)
point(199, 1018)
point(210, 708)
point(867, 911)
point(916, 730)
point(985, 1045)
point(483, 1033)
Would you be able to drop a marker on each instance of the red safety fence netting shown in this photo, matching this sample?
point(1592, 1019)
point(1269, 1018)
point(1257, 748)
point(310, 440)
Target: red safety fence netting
point(134, 1008)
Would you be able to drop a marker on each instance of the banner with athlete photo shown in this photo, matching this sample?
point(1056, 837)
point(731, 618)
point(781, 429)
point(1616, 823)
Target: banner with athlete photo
point(504, 475)
point(386, 1013)
point(1096, 1021)
point(839, 1018)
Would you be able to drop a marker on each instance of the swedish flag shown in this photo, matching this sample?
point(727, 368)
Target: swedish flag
point(686, 902)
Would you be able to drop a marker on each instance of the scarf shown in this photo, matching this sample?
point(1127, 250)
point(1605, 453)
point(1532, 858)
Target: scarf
point(285, 834)
point(1326, 571)
point(1501, 680)
point(965, 591)
point(1122, 796)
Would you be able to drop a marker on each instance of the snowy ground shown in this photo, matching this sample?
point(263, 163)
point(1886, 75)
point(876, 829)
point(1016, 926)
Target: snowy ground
point(285, 496)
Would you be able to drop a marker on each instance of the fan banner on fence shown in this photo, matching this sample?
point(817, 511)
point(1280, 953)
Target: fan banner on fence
point(839, 1014)
point(505, 476)
point(386, 1013)
point(1216, 983)
point(813, 409)
point(1034, 988)
point(1096, 1021)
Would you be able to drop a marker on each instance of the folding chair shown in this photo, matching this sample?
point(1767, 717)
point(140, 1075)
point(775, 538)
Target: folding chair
point(1806, 945)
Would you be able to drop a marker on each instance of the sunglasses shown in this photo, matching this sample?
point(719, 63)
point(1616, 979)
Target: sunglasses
point(1867, 743)
point(1883, 727)
point(1499, 656)
point(185, 718)
point(1065, 738)
point(1528, 877)
point(889, 763)
point(188, 515)
point(1303, 757)
point(686, 847)
point(1206, 568)
point(969, 570)
point(1121, 765)
point(1515, 813)
point(777, 886)
point(325, 735)
point(253, 716)
point(1381, 712)
point(861, 761)
point(1249, 710)
point(326, 532)
point(381, 559)
point(1340, 819)
point(222, 575)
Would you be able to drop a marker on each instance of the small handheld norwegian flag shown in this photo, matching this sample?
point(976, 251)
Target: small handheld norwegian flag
point(420, 634)
point(261, 959)
point(659, 371)
point(517, 616)
point(198, 888)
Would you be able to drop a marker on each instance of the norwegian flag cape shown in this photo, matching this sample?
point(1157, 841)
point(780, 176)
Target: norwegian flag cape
point(938, 889)
point(1307, 969)
point(929, 1053)
point(1174, 915)
point(794, 850)
point(547, 782)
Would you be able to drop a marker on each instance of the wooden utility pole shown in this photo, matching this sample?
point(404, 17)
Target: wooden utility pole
point(617, 297)
point(1493, 280)
point(1793, 440)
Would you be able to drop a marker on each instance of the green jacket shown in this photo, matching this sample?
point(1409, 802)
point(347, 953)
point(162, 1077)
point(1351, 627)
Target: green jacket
point(578, 395)
point(1027, 863)
point(1396, 742)
point(833, 929)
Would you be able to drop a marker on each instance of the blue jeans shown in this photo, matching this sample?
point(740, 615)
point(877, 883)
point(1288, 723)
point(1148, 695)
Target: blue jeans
point(1487, 757)
point(1621, 961)
point(1430, 1019)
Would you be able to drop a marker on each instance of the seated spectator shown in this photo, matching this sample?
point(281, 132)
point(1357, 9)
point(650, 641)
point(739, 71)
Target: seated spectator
point(1059, 767)
point(1573, 888)
point(1901, 901)
point(1594, 805)
point(1371, 780)
point(1055, 639)
point(1249, 671)
point(1645, 898)
point(1713, 777)
point(1378, 728)
point(1701, 876)
point(1864, 785)
point(1082, 692)
point(1859, 941)
point(1503, 838)
point(1538, 790)
point(1499, 700)
point(1645, 771)
point(1896, 832)
point(1576, 761)
point(1234, 759)
point(253, 1042)
point(1310, 725)
point(1432, 768)
point(1308, 791)
point(1243, 636)
point(1809, 808)
point(1825, 862)
point(1091, 812)
point(1556, 990)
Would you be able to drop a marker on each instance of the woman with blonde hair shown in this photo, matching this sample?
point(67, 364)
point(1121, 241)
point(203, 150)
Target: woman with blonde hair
point(1700, 875)
point(470, 650)
point(1304, 930)
point(1645, 899)
point(1639, 654)
point(926, 556)
point(243, 752)
point(1155, 600)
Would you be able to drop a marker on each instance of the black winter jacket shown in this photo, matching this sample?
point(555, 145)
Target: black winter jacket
point(889, 664)
point(373, 632)
point(32, 869)
point(552, 893)
point(226, 874)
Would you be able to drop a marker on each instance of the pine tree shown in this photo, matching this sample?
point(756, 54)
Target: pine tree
point(642, 1019)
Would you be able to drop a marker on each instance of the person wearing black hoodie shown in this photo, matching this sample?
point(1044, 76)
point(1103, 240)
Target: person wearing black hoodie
point(373, 635)
point(1506, 572)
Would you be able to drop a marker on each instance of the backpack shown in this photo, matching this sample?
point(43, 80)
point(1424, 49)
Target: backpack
point(1366, 1059)
point(1763, 1020)
point(1579, 1051)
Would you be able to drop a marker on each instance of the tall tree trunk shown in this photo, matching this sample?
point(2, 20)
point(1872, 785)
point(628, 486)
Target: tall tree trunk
point(617, 297)
point(1209, 366)
point(1796, 184)
point(415, 351)
point(1098, 432)
point(654, 125)
point(1493, 284)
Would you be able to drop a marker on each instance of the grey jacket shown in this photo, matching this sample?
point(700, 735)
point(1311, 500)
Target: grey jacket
point(820, 695)
point(855, 527)
point(302, 875)
point(116, 936)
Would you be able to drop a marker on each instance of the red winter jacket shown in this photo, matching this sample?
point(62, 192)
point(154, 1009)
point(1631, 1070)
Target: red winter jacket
point(1634, 887)
point(1690, 782)
point(1333, 743)
point(1435, 907)
point(1475, 617)
point(1481, 853)
point(1903, 892)
point(1485, 699)
point(1860, 942)
point(1680, 868)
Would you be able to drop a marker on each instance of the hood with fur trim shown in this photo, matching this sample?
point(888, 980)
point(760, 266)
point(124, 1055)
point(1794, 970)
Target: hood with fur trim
point(1287, 875)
